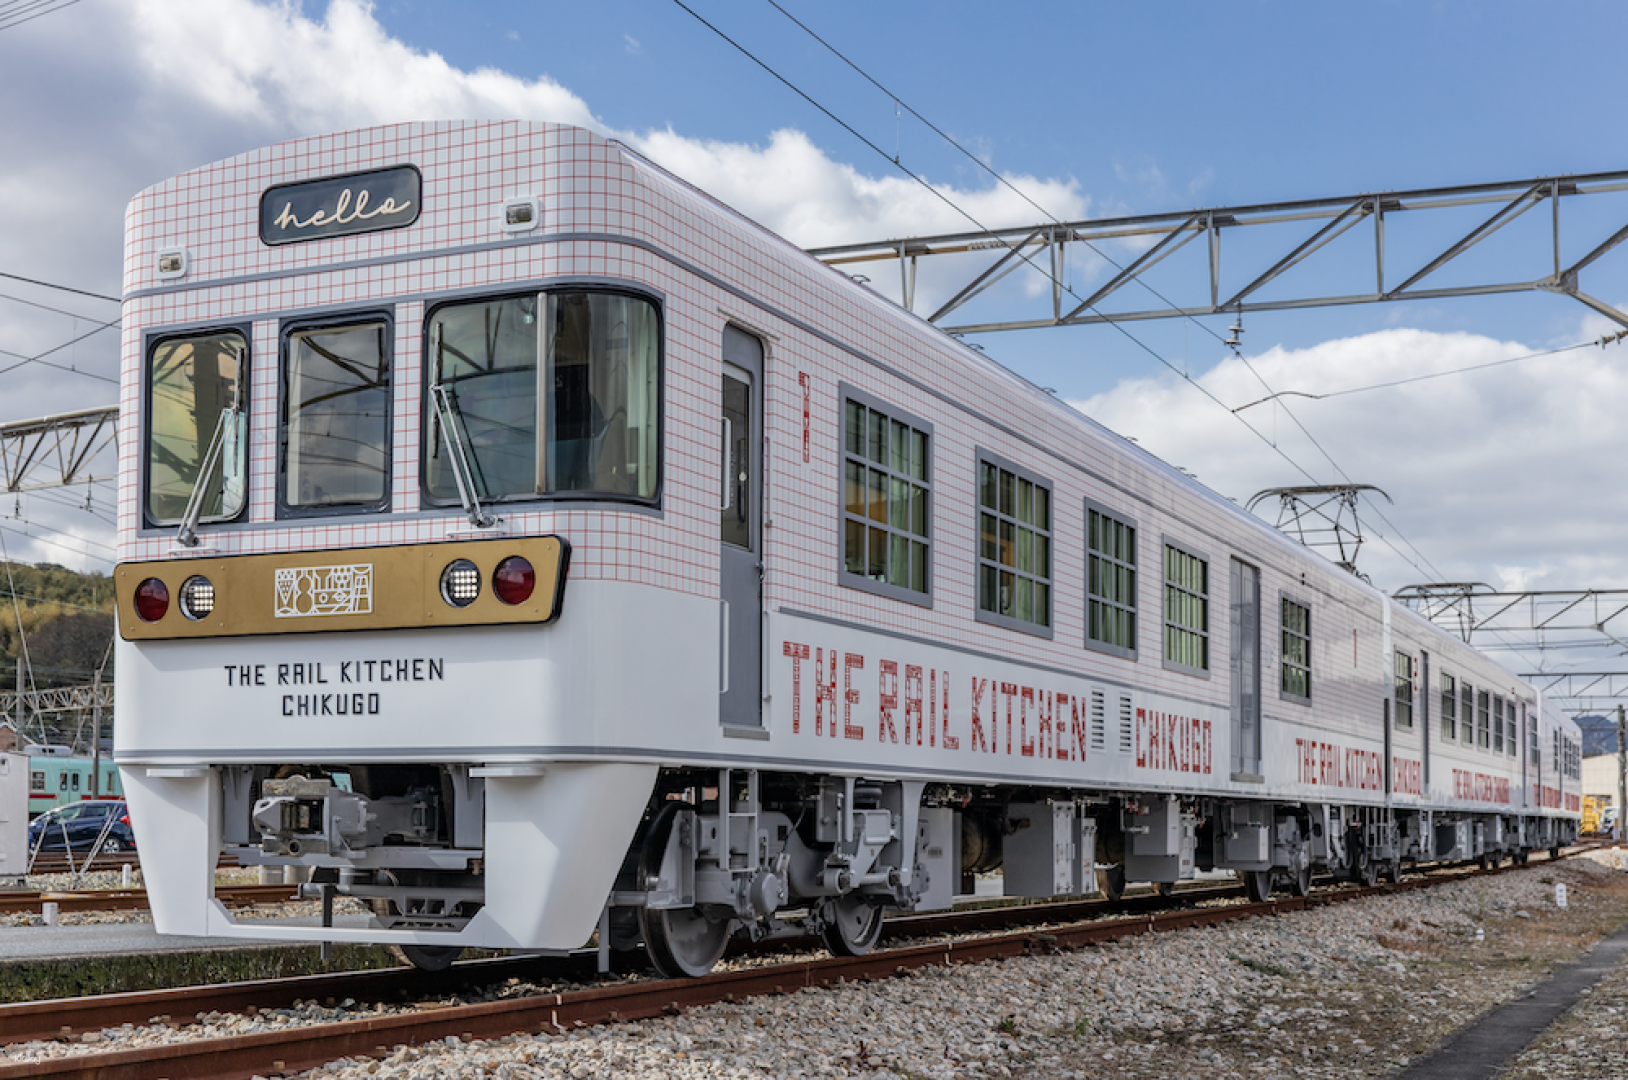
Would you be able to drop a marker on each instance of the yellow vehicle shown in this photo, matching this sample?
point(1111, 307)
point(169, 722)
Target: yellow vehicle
point(1593, 808)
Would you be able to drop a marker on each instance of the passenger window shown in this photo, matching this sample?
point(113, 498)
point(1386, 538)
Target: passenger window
point(196, 395)
point(1294, 677)
point(1110, 581)
point(887, 494)
point(336, 418)
point(1014, 546)
point(598, 357)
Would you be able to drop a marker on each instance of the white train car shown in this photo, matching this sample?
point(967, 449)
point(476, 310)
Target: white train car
point(525, 543)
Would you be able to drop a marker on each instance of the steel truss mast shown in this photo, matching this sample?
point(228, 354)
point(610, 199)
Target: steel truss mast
point(1313, 223)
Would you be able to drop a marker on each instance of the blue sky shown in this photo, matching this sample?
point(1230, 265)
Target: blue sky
point(1507, 476)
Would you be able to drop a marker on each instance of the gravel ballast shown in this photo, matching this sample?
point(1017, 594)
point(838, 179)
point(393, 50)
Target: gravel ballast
point(1357, 989)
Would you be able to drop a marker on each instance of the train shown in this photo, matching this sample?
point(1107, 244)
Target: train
point(526, 546)
point(57, 777)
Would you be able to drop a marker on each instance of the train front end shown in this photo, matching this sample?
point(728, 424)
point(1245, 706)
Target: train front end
point(391, 481)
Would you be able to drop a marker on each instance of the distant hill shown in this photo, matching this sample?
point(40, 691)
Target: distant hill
point(66, 619)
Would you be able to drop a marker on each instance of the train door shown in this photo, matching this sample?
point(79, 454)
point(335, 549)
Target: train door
point(1421, 707)
point(740, 675)
point(1246, 669)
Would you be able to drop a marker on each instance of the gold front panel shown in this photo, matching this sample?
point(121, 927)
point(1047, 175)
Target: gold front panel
point(381, 588)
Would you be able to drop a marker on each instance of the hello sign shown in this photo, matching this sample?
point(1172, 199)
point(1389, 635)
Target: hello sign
point(340, 205)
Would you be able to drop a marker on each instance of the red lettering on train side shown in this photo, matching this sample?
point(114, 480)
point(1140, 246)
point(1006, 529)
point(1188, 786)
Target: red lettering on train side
point(978, 688)
point(912, 701)
point(805, 382)
point(1173, 742)
point(887, 699)
point(1025, 744)
point(951, 742)
point(825, 692)
point(798, 654)
point(850, 696)
point(1008, 691)
point(1078, 721)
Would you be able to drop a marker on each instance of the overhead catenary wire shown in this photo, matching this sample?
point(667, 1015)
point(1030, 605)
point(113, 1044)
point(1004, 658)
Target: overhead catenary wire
point(27, 11)
point(24, 361)
point(1596, 342)
point(1016, 252)
point(1231, 342)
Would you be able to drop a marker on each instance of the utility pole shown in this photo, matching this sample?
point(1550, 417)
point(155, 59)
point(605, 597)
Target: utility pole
point(1622, 772)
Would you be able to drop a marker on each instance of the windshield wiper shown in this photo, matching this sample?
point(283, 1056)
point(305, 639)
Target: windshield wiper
point(188, 536)
point(457, 457)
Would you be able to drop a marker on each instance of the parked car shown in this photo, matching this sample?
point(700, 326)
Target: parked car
point(79, 825)
point(1608, 820)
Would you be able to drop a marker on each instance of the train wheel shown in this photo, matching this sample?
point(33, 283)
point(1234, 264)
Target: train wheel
point(1258, 885)
point(1393, 871)
point(683, 941)
point(1522, 855)
point(852, 926)
point(1300, 881)
point(1112, 881)
point(1554, 852)
point(1485, 861)
point(1165, 888)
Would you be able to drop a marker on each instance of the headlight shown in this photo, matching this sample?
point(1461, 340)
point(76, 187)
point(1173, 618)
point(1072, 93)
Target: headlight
point(460, 583)
point(197, 597)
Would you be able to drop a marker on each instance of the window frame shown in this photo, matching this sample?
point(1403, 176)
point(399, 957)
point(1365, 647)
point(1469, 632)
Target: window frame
point(1134, 609)
point(286, 330)
point(1449, 706)
point(1169, 544)
point(847, 392)
point(427, 428)
point(1466, 712)
point(1285, 665)
point(152, 340)
point(1402, 702)
point(1047, 630)
point(1483, 719)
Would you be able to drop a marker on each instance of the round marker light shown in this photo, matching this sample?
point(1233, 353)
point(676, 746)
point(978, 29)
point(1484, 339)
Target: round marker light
point(152, 600)
point(460, 583)
point(514, 580)
point(197, 597)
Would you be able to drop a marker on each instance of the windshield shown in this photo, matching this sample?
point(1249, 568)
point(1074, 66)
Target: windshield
point(337, 417)
point(582, 368)
point(192, 381)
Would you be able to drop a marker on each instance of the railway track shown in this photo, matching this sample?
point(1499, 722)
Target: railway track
point(1048, 928)
point(33, 901)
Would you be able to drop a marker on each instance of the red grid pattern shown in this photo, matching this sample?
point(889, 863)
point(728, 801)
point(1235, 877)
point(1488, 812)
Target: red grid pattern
point(587, 185)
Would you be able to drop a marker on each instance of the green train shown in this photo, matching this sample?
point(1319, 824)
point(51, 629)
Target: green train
point(59, 779)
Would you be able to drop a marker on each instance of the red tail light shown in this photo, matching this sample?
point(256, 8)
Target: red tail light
point(514, 580)
point(152, 600)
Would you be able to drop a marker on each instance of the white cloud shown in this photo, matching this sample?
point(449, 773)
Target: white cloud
point(125, 95)
point(1510, 473)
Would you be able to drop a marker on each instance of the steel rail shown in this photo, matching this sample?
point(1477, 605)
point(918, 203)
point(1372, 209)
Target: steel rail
point(298, 1049)
point(134, 899)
